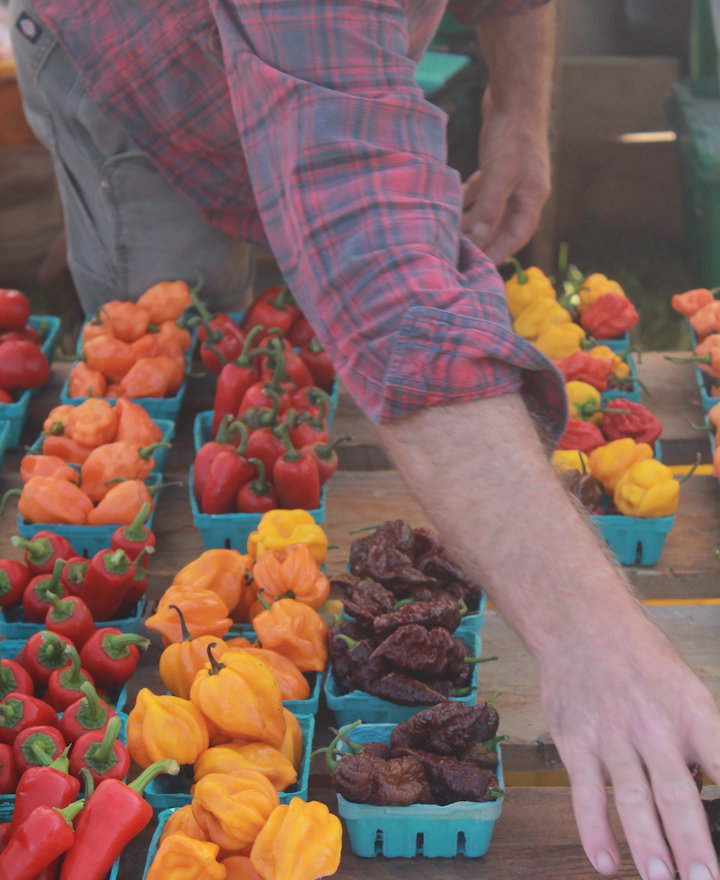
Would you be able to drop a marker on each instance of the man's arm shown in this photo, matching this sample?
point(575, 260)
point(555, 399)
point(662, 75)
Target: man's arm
point(618, 699)
point(509, 190)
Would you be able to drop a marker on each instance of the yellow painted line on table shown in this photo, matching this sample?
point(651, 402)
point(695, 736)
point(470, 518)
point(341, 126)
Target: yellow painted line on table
point(702, 470)
point(661, 603)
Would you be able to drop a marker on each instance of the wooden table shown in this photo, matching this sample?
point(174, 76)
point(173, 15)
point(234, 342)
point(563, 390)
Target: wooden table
point(536, 833)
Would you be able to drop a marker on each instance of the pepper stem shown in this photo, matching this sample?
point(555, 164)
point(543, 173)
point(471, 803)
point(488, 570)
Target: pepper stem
point(462, 608)
point(265, 604)
point(332, 748)
point(519, 271)
point(464, 692)
point(93, 701)
point(242, 429)
point(168, 766)
point(38, 752)
point(104, 751)
point(136, 532)
point(69, 813)
point(9, 494)
point(39, 550)
point(474, 660)
point(88, 782)
point(116, 646)
point(245, 359)
point(222, 432)
point(402, 603)
point(186, 637)
point(494, 697)
point(348, 641)
point(495, 793)
point(261, 485)
point(62, 762)
point(281, 299)
point(216, 667)
point(692, 470)
point(146, 452)
point(491, 743)
point(364, 529)
point(325, 450)
point(138, 562)
point(117, 562)
point(153, 490)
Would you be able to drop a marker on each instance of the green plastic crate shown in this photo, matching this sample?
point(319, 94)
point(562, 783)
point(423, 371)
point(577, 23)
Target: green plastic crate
point(436, 69)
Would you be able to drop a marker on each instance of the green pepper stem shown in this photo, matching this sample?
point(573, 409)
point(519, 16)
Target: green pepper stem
point(92, 698)
point(11, 493)
point(472, 660)
point(364, 529)
point(402, 603)
point(291, 454)
point(216, 667)
point(186, 637)
point(62, 762)
point(494, 697)
point(88, 782)
point(265, 604)
point(692, 470)
point(70, 812)
point(348, 641)
point(491, 743)
point(519, 271)
point(43, 759)
point(581, 456)
point(462, 608)
point(261, 485)
point(330, 761)
point(104, 750)
point(496, 793)
point(464, 692)
point(325, 450)
point(245, 358)
point(222, 431)
point(140, 573)
point(146, 452)
point(136, 531)
point(168, 766)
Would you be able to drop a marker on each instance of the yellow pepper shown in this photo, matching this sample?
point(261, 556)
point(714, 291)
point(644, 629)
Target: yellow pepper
point(570, 460)
point(220, 571)
point(181, 661)
point(647, 490)
point(205, 613)
point(240, 868)
point(300, 841)
point(584, 402)
point(593, 287)
point(184, 858)
point(609, 463)
point(560, 341)
point(538, 316)
point(294, 630)
point(250, 756)
point(165, 727)
point(279, 529)
point(621, 369)
point(182, 821)
point(292, 571)
point(232, 809)
point(292, 745)
point(242, 699)
point(525, 286)
point(292, 683)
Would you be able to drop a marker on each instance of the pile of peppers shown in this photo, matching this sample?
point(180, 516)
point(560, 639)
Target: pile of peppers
point(23, 365)
point(442, 755)
point(135, 350)
point(703, 312)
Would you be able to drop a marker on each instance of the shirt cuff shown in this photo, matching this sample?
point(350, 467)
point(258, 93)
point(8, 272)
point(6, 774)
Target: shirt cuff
point(472, 12)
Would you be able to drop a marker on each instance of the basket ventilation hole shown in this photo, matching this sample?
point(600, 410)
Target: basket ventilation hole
point(638, 553)
point(461, 843)
point(378, 843)
point(419, 843)
point(228, 544)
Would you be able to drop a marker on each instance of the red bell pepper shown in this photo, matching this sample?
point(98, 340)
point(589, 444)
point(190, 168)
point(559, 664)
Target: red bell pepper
point(227, 474)
point(258, 496)
point(19, 711)
point(9, 773)
point(296, 477)
point(64, 686)
point(14, 678)
point(38, 746)
point(106, 583)
point(89, 713)
point(133, 538)
point(301, 333)
point(70, 617)
point(610, 315)
point(14, 309)
point(73, 574)
point(138, 584)
point(326, 457)
point(209, 451)
point(115, 814)
point(234, 380)
point(35, 600)
point(101, 753)
point(14, 577)
point(50, 786)
point(44, 652)
point(41, 839)
point(317, 361)
point(112, 656)
point(278, 311)
point(637, 422)
point(581, 435)
point(22, 365)
point(312, 429)
point(43, 550)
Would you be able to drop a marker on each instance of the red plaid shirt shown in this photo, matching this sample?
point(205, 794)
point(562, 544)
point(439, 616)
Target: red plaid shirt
point(298, 124)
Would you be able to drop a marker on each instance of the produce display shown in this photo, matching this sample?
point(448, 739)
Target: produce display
point(23, 364)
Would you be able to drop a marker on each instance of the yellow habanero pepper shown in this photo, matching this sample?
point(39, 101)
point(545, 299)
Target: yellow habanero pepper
point(181, 661)
point(593, 287)
point(232, 809)
point(647, 490)
point(538, 316)
point(292, 571)
point(182, 821)
point(300, 841)
point(560, 341)
point(242, 699)
point(280, 528)
point(205, 613)
point(184, 858)
point(621, 369)
point(247, 756)
point(220, 571)
point(570, 460)
point(292, 683)
point(161, 727)
point(525, 286)
point(294, 630)
point(584, 402)
point(292, 746)
point(609, 463)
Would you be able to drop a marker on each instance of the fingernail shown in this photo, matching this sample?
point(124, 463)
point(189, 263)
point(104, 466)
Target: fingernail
point(604, 863)
point(657, 869)
point(481, 230)
point(699, 872)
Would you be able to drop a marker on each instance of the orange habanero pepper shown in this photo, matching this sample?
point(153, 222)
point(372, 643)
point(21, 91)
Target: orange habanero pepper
point(146, 346)
point(122, 503)
point(294, 572)
point(294, 630)
point(116, 461)
point(109, 356)
point(65, 448)
point(128, 320)
point(706, 320)
point(166, 301)
point(204, 613)
point(170, 329)
point(85, 382)
point(57, 420)
point(135, 425)
point(173, 368)
point(93, 423)
point(292, 683)
point(49, 500)
point(144, 379)
point(46, 466)
point(99, 325)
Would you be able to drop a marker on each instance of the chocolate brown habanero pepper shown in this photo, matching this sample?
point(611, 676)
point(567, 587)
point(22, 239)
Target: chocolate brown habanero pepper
point(452, 780)
point(448, 729)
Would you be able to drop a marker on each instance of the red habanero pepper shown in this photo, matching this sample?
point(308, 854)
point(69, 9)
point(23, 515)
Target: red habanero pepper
point(64, 686)
point(301, 333)
point(14, 577)
point(101, 753)
point(609, 316)
point(35, 598)
point(274, 312)
point(296, 477)
point(209, 451)
point(115, 814)
point(234, 380)
point(42, 551)
point(19, 711)
point(106, 582)
point(44, 787)
point(13, 678)
point(73, 574)
point(44, 653)
point(317, 361)
point(135, 537)
point(227, 473)
point(111, 656)
point(581, 435)
point(138, 584)
point(9, 774)
point(639, 423)
point(325, 457)
point(311, 429)
point(258, 496)
point(38, 746)
point(70, 617)
point(583, 367)
point(41, 839)
point(89, 713)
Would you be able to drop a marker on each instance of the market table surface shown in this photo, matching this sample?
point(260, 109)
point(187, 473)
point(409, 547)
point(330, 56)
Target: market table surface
point(681, 593)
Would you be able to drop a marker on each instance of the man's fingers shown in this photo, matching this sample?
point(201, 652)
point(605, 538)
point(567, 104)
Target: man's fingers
point(491, 202)
point(589, 797)
point(515, 231)
point(704, 735)
point(471, 188)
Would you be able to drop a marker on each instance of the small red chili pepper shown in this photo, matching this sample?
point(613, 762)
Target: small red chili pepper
point(133, 538)
point(101, 753)
point(295, 370)
point(14, 678)
point(35, 600)
point(73, 575)
point(227, 473)
point(115, 814)
point(221, 338)
point(22, 365)
point(317, 361)
point(70, 617)
point(44, 652)
point(89, 713)
point(42, 551)
point(636, 421)
point(267, 445)
point(262, 416)
point(64, 686)
point(38, 746)
point(296, 477)
point(138, 584)
point(581, 435)
point(50, 786)
point(234, 380)
point(106, 582)
point(609, 316)
point(9, 773)
point(14, 309)
point(14, 577)
point(258, 496)
point(303, 397)
point(209, 451)
point(274, 312)
point(301, 333)
point(312, 429)
point(111, 656)
point(19, 711)
point(326, 457)
point(261, 393)
point(39, 841)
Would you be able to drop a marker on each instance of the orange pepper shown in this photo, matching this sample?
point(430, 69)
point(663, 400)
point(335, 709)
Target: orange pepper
point(115, 461)
point(109, 356)
point(135, 425)
point(57, 420)
point(85, 382)
point(146, 346)
point(706, 320)
point(128, 320)
point(121, 504)
point(173, 368)
point(181, 661)
point(182, 821)
point(144, 379)
point(166, 301)
point(93, 423)
point(292, 683)
point(292, 745)
point(98, 326)
point(292, 571)
point(168, 345)
point(170, 329)
point(46, 466)
point(49, 500)
point(239, 868)
point(691, 301)
point(65, 448)
point(241, 612)
point(204, 613)
point(296, 631)
point(113, 392)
